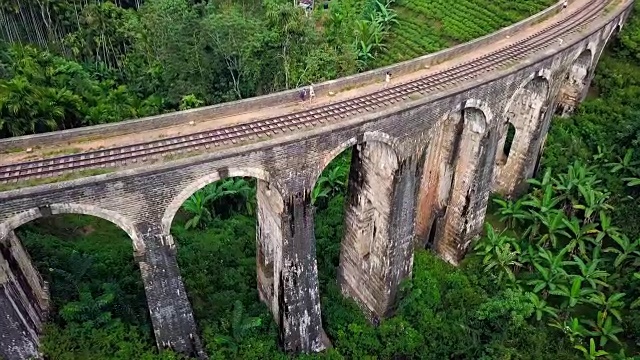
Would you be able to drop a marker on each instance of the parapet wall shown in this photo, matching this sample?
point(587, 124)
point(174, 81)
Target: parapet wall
point(275, 99)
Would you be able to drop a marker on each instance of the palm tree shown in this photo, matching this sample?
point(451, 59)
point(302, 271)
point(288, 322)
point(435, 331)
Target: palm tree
point(242, 190)
point(196, 204)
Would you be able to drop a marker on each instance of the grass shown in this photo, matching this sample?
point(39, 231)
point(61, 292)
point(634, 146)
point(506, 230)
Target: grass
point(12, 150)
point(65, 151)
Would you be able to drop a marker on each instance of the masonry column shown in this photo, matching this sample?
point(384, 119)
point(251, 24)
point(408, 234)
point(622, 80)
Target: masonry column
point(296, 283)
point(527, 114)
point(377, 249)
point(269, 241)
point(24, 301)
point(173, 323)
point(471, 185)
point(435, 183)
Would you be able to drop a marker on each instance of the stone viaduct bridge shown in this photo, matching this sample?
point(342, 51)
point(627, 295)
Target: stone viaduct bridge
point(423, 166)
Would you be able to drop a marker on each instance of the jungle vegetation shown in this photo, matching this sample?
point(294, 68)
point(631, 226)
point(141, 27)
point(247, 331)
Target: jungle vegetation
point(556, 274)
point(72, 63)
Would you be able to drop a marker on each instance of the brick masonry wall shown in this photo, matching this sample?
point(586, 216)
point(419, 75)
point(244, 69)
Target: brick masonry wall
point(255, 103)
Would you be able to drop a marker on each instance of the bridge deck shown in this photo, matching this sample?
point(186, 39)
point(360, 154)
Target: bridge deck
point(52, 152)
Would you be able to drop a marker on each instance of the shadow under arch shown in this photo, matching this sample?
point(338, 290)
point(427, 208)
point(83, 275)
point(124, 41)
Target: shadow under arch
point(73, 208)
point(526, 113)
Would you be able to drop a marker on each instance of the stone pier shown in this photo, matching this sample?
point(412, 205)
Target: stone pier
point(377, 249)
point(24, 301)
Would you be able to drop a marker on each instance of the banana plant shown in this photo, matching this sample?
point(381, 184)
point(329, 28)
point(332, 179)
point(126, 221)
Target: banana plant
point(592, 353)
point(636, 303)
point(612, 304)
point(572, 296)
point(628, 249)
point(512, 213)
point(580, 235)
point(541, 307)
point(604, 328)
point(590, 272)
point(551, 273)
point(504, 259)
point(572, 328)
point(607, 228)
point(554, 222)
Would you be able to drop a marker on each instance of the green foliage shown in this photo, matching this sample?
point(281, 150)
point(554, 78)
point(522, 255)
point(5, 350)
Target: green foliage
point(426, 26)
point(576, 266)
point(104, 62)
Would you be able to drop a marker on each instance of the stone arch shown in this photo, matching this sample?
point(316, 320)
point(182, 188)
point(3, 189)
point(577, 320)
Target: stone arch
point(269, 228)
point(171, 210)
point(468, 188)
point(525, 112)
point(461, 131)
point(72, 208)
point(370, 136)
point(576, 81)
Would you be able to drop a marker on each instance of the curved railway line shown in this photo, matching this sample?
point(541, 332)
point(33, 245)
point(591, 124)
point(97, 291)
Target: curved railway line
point(123, 155)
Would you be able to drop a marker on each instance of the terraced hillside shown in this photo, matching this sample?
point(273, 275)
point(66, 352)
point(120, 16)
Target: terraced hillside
point(426, 26)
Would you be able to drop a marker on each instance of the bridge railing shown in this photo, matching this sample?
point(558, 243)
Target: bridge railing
point(275, 99)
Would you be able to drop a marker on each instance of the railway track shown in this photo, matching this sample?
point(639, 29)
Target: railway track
point(125, 155)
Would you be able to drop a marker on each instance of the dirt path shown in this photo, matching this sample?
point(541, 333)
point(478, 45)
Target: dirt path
point(140, 137)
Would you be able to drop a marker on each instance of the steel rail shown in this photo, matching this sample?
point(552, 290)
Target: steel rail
point(119, 156)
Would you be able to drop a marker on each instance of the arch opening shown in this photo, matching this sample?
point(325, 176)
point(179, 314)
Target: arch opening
point(74, 270)
point(351, 198)
point(508, 142)
point(519, 142)
point(227, 228)
point(575, 83)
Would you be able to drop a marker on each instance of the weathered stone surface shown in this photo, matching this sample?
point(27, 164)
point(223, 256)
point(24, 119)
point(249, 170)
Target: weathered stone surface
point(435, 172)
point(24, 301)
point(526, 115)
point(169, 307)
point(299, 298)
point(377, 249)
